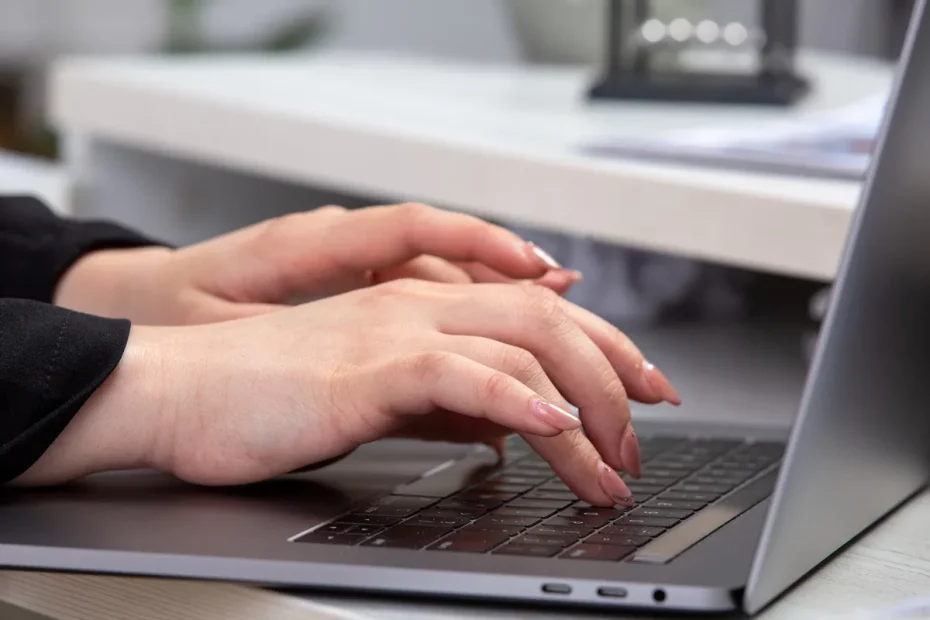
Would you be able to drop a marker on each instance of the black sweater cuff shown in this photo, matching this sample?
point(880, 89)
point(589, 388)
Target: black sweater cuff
point(51, 361)
point(37, 247)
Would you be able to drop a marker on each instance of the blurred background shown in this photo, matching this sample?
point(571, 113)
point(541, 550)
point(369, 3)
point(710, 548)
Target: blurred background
point(34, 33)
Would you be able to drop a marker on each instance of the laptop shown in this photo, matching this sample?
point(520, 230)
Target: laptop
point(724, 519)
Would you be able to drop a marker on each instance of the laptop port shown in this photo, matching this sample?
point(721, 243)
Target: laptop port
point(659, 595)
point(556, 588)
point(612, 592)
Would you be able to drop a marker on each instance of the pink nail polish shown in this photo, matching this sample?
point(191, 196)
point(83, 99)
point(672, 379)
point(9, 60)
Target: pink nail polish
point(555, 416)
point(614, 486)
point(660, 384)
point(629, 452)
point(542, 256)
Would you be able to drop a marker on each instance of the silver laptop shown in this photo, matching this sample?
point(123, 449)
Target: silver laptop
point(724, 520)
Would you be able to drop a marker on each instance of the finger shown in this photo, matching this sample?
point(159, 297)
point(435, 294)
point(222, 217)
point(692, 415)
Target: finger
point(380, 237)
point(559, 280)
point(534, 318)
point(442, 380)
point(576, 461)
point(428, 268)
point(643, 380)
point(571, 455)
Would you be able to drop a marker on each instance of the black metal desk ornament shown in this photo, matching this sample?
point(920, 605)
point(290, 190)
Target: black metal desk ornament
point(637, 43)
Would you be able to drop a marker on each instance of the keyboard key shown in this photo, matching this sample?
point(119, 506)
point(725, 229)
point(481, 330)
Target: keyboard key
point(539, 503)
point(466, 544)
point(325, 538)
point(507, 520)
point(688, 487)
point(498, 487)
point(386, 511)
point(590, 518)
point(367, 530)
point(559, 530)
point(475, 495)
point(606, 553)
point(478, 507)
point(644, 489)
point(664, 513)
point(617, 539)
point(406, 537)
point(570, 523)
point(363, 519)
point(457, 513)
point(335, 528)
point(505, 478)
point(550, 540)
point(587, 510)
point(524, 512)
point(656, 472)
point(567, 496)
point(658, 481)
point(633, 530)
point(529, 471)
point(647, 521)
point(401, 501)
point(705, 498)
point(674, 505)
point(729, 481)
point(423, 521)
point(534, 551)
point(484, 531)
point(554, 485)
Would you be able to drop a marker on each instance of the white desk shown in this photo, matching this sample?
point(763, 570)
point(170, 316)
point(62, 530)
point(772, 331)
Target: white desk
point(501, 141)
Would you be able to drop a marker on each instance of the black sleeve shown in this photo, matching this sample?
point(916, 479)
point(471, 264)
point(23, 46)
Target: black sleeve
point(37, 247)
point(51, 359)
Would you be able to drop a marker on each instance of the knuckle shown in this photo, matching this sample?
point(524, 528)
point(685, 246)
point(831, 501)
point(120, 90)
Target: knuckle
point(544, 307)
point(403, 287)
point(614, 389)
point(429, 365)
point(330, 210)
point(520, 364)
point(414, 211)
point(496, 386)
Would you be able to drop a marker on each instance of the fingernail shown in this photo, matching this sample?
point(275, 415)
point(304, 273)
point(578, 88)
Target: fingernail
point(614, 486)
point(576, 276)
point(554, 415)
point(541, 255)
point(629, 452)
point(660, 384)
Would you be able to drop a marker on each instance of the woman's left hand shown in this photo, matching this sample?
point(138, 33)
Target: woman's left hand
point(302, 257)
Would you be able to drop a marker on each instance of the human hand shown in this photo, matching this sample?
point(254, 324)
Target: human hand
point(245, 400)
point(301, 257)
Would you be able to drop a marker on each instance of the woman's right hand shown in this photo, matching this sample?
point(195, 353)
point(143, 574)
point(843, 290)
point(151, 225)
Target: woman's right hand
point(245, 400)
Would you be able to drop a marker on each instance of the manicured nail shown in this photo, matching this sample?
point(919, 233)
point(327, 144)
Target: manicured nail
point(660, 384)
point(614, 486)
point(576, 276)
point(629, 452)
point(542, 256)
point(555, 416)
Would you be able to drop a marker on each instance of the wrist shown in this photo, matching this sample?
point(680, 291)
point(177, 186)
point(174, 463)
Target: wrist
point(116, 283)
point(119, 426)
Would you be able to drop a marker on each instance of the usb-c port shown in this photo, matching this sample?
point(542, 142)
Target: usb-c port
point(612, 592)
point(557, 588)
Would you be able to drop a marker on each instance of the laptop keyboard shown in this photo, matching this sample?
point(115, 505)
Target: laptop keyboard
point(689, 488)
